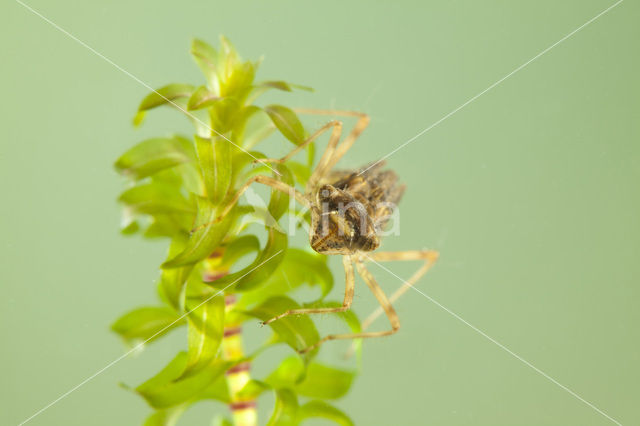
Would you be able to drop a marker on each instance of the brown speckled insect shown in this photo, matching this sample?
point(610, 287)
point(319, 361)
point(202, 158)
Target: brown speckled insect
point(348, 209)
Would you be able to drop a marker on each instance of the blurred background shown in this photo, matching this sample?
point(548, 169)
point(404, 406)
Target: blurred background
point(530, 193)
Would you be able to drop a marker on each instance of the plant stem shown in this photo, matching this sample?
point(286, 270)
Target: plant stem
point(243, 410)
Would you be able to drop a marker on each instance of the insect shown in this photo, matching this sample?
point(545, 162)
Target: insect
point(348, 210)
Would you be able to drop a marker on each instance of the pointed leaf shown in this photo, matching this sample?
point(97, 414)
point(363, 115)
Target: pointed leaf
point(242, 121)
point(217, 390)
point(297, 268)
point(325, 382)
point(238, 248)
point(260, 269)
point(223, 115)
point(166, 390)
point(262, 87)
point(279, 201)
point(281, 85)
point(290, 371)
point(207, 59)
point(152, 155)
point(172, 281)
point(201, 98)
point(214, 156)
point(203, 241)
point(252, 390)
point(166, 94)
point(298, 331)
point(155, 197)
point(239, 83)
point(167, 417)
point(287, 122)
point(146, 323)
point(206, 327)
point(168, 225)
point(315, 409)
point(285, 410)
point(221, 421)
point(308, 267)
point(227, 59)
point(276, 84)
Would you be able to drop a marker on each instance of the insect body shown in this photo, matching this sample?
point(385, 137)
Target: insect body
point(348, 211)
point(352, 209)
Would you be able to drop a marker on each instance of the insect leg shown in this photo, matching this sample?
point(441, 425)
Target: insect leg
point(429, 257)
point(346, 304)
point(265, 180)
point(337, 130)
point(384, 302)
point(334, 152)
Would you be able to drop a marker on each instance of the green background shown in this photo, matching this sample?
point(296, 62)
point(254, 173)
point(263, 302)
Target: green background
point(530, 193)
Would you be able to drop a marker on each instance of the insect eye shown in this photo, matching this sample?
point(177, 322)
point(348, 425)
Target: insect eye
point(325, 191)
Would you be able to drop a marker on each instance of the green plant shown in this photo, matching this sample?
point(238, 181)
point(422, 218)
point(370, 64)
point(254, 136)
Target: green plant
point(178, 184)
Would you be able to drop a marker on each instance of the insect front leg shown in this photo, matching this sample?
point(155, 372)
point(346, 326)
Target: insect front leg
point(335, 134)
point(334, 151)
point(265, 180)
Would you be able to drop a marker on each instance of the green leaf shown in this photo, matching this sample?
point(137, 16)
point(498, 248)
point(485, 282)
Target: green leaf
point(308, 267)
point(290, 371)
point(325, 382)
point(128, 223)
point(201, 98)
point(256, 131)
point(206, 327)
point(285, 410)
point(240, 247)
point(287, 122)
point(298, 331)
point(168, 417)
point(166, 389)
point(315, 409)
point(146, 323)
point(297, 268)
point(279, 201)
point(276, 84)
point(155, 197)
point(168, 225)
point(243, 119)
point(166, 94)
point(301, 172)
point(260, 88)
point(207, 59)
point(314, 380)
point(349, 318)
point(239, 83)
point(260, 269)
point(221, 421)
point(252, 390)
point(152, 155)
point(282, 85)
point(186, 176)
point(214, 156)
point(172, 281)
point(223, 115)
point(217, 390)
point(203, 241)
point(227, 58)
point(139, 118)
point(130, 228)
